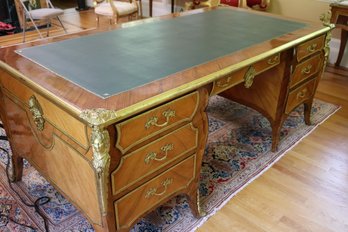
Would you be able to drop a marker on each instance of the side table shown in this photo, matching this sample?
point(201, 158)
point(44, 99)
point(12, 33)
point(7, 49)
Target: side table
point(340, 18)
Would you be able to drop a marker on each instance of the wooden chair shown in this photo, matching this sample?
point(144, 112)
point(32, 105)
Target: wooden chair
point(32, 11)
point(115, 10)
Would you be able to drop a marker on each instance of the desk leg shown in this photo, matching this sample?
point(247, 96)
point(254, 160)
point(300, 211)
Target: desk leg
point(172, 6)
point(150, 7)
point(344, 34)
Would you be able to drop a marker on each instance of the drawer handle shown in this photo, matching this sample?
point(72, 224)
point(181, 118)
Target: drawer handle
point(222, 84)
point(153, 191)
point(312, 47)
point(273, 60)
point(153, 155)
point(249, 77)
point(36, 111)
point(307, 70)
point(153, 120)
point(302, 93)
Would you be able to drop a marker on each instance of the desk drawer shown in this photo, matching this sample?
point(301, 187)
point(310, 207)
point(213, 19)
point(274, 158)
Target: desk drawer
point(237, 77)
point(310, 47)
point(140, 128)
point(299, 95)
point(267, 63)
point(152, 157)
point(153, 193)
point(228, 81)
point(305, 70)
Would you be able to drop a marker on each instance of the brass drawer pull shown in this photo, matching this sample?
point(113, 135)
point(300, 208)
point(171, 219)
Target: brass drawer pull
point(153, 120)
point(223, 84)
point(302, 93)
point(153, 155)
point(153, 191)
point(273, 60)
point(312, 47)
point(306, 70)
point(36, 111)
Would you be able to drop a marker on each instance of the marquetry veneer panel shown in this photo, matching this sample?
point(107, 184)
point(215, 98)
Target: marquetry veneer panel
point(310, 47)
point(155, 121)
point(150, 158)
point(134, 204)
point(305, 70)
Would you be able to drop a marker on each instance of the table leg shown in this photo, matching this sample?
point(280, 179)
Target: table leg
point(150, 6)
point(343, 43)
point(172, 6)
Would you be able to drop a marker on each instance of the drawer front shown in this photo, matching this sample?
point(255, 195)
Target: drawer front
point(267, 63)
point(310, 47)
point(228, 81)
point(140, 128)
point(305, 70)
point(152, 157)
point(299, 95)
point(132, 206)
point(237, 77)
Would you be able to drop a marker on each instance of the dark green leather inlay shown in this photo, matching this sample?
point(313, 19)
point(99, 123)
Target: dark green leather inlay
point(112, 62)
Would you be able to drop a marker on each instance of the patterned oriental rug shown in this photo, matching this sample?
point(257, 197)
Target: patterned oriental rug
point(238, 150)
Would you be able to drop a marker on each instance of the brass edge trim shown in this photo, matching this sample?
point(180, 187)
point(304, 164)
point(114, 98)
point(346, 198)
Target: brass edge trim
point(42, 91)
point(193, 85)
point(124, 150)
point(115, 191)
point(194, 157)
point(17, 101)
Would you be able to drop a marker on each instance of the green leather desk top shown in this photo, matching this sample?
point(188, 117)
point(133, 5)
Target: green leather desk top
point(112, 62)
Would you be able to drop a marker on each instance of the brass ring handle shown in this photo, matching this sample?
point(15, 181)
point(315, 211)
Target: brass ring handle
point(153, 155)
point(312, 47)
point(307, 70)
point(223, 84)
point(301, 94)
point(153, 191)
point(37, 113)
point(273, 60)
point(153, 120)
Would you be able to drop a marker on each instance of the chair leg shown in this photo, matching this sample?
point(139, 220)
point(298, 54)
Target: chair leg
point(97, 19)
point(48, 28)
point(140, 9)
point(62, 25)
point(24, 26)
point(37, 29)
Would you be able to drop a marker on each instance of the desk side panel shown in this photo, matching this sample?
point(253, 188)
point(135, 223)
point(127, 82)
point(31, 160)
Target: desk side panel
point(62, 158)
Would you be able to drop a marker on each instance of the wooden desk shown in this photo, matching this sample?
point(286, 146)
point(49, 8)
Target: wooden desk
point(117, 156)
point(340, 19)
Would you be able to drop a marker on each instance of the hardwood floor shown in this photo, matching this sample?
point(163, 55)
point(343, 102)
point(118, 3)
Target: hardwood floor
point(307, 190)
